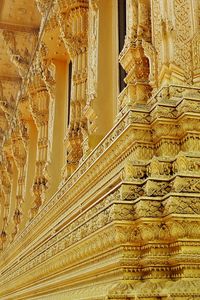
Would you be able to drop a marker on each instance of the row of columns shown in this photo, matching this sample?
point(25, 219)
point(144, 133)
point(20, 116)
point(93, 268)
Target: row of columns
point(138, 58)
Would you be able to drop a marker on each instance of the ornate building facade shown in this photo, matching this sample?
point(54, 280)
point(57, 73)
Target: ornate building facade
point(100, 149)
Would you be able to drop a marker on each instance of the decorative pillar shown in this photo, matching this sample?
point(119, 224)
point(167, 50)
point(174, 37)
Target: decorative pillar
point(3, 128)
point(73, 21)
point(89, 110)
point(19, 150)
point(196, 44)
point(133, 58)
point(39, 104)
point(6, 183)
point(7, 120)
point(172, 31)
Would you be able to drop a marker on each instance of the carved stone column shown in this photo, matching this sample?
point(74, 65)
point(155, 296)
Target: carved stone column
point(73, 20)
point(6, 183)
point(172, 31)
point(19, 149)
point(16, 149)
point(133, 58)
point(39, 103)
point(89, 110)
point(3, 128)
point(196, 44)
point(196, 58)
point(6, 113)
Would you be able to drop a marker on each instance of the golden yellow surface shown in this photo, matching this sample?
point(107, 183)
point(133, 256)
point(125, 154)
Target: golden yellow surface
point(99, 192)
